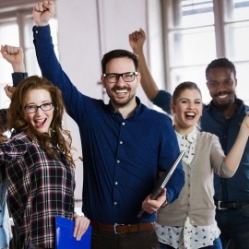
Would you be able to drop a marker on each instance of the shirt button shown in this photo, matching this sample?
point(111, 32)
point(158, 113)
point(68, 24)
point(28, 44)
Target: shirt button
point(115, 203)
point(118, 161)
point(116, 183)
point(121, 142)
point(123, 123)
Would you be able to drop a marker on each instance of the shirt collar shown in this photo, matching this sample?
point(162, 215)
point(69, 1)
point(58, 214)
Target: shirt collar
point(191, 137)
point(136, 112)
point(239, 103)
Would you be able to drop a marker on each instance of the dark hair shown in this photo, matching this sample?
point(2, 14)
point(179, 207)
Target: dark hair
point(118, 53)
point(221, 62)
point(18, 121)
point(183, 86)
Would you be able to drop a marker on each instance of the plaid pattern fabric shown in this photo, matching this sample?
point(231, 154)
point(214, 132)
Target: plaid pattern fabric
point(38, 189)
point(3, 120)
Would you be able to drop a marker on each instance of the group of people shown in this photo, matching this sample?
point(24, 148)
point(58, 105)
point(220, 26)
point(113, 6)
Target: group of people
point(223, 116)
point(125, 146)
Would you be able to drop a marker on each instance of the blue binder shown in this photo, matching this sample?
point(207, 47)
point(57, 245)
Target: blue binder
point(64, 235)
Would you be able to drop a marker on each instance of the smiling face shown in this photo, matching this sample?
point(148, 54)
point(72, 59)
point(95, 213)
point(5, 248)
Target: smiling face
point(221, 84)
point(40, 119)
point(187, 109)
point(121, 93)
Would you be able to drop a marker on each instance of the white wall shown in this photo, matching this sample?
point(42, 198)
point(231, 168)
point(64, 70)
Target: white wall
point(88, 29)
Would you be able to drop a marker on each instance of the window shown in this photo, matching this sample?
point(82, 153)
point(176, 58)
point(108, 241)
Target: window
point(199, 31)
point(16, 30)
point(236, 25)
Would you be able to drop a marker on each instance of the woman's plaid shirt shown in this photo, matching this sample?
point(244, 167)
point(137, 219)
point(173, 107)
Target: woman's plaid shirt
point(39, 188)
point(3, 120)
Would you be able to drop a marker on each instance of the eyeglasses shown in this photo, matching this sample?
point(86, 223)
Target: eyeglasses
point(114, 77)
point(34, 108)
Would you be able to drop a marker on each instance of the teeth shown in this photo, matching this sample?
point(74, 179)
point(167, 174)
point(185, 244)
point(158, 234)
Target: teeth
point(121, 91)
point(40, 121)
point(190, 113)
point(222, 96)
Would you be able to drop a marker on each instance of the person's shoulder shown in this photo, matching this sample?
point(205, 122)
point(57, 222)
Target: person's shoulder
point(207, 136)
point(243, 108)
point(206, 106)
point(158, 114)
point(246, 106)
point(160, 120)
point(19, 137)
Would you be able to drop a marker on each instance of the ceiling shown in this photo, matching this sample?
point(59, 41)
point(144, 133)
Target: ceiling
point(10, 5)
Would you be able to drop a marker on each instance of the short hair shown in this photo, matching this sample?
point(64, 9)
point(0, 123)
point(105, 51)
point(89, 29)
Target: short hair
point(221, 62)
point(118, 53)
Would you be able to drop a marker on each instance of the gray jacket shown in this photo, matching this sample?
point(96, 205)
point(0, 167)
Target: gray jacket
point(196, 198)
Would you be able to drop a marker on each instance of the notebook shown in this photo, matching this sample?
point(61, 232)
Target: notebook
point(64, 235)
point(163, 180)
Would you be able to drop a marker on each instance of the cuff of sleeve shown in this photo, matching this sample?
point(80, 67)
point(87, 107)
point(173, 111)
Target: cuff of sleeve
point(17, 77)
point(41, 30)
point(76, 214)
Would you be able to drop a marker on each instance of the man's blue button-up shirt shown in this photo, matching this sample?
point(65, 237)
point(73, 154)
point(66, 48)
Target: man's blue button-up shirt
point(121, 157)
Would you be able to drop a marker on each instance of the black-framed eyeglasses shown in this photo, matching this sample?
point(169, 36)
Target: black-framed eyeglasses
point(114, 77)
point(34, 108)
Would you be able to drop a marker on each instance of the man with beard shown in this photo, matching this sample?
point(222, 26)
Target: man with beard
point(223, 117)
point(124, 143)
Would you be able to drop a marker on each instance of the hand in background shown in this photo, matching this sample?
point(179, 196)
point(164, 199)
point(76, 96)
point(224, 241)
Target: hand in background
point(9, 90)
point(43, 11)
point(136, 40)
point(14, 55)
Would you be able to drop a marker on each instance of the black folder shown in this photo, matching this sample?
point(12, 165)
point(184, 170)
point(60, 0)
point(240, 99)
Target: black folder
point(163, 180)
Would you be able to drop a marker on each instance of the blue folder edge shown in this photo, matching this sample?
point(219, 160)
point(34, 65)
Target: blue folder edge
point(64, 235)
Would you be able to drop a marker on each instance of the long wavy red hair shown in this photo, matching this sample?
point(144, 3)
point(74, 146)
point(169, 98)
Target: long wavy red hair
point(17, 119)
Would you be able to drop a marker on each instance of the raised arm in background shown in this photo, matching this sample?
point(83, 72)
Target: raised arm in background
point(15, 56)
point(160, 98)
point(136, 40)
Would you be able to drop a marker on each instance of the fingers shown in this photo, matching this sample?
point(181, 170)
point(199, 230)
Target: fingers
point(43, 11)
point(81, 225)
point(151, 206)
point(41, 6)
point(7, 49)
point(136, 35)
point(9, 90)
